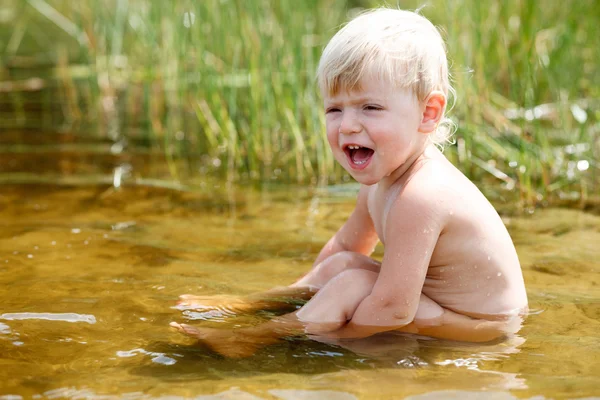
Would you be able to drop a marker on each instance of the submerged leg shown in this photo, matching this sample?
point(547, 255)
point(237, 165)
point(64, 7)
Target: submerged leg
point(274, 299)
point(327, 311)
point(279, 298)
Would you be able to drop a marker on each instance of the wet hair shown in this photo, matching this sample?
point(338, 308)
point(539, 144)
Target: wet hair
point(401, 47)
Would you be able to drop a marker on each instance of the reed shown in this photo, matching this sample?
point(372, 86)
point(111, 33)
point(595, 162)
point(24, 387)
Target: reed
point(228, 87)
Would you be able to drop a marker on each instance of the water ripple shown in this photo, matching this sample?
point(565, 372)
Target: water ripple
point(4, 329)
point(210, 315)
point(159, 358)
point(65, 317)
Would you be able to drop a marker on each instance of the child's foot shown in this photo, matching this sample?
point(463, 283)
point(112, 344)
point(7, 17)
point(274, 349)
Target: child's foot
point(223, 303)
point(223, 341)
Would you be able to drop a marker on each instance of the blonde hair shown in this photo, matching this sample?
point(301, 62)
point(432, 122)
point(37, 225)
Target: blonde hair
point(401, 47)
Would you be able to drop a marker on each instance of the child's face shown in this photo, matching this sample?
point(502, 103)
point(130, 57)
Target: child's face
point(374, 131)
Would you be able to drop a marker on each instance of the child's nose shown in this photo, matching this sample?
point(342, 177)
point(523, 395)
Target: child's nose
point(350, 124)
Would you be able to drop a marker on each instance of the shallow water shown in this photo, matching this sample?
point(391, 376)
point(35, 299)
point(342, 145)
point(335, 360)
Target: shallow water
point(89, 277)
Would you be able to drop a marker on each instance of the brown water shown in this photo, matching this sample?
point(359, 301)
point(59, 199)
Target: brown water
point(89, 276)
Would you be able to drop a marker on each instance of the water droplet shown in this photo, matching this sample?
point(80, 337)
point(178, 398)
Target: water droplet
point(488, 295)
point(53, 243)
point(76, 230)
point(475, 266)
point(15, 252)
point(441, 269)
point(499, 274)
point(85, 242)
point(489, 258)
point(35, 247)
point(451, 212)
point(29, 255)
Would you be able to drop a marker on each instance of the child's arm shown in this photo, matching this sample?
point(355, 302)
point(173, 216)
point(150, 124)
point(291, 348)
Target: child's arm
point(413, 226)
point(357, 234)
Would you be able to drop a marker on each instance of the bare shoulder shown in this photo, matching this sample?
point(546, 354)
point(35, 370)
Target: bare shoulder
point(437, 183)
point(440, 183)
point(423, 199)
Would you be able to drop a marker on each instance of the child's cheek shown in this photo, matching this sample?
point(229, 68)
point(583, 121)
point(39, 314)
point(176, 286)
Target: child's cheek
point(332, 137)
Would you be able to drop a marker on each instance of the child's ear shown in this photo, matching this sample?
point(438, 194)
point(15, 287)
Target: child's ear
point(435, 105)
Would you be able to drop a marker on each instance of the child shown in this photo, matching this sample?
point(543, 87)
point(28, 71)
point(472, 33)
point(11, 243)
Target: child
point(449, 269)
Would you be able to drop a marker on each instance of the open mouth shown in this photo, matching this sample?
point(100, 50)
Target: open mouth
point(358, 156)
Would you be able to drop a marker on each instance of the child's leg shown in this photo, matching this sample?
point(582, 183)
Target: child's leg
point(436, 321)
point(335, 264)
point(333, 306)
point(327, 311)
point(278, 298)
point(336, 302)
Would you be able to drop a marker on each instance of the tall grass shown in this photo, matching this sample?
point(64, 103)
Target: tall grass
point(228, 86)
point(528, 93)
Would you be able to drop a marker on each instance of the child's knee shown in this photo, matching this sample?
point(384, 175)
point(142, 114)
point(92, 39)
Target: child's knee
point(344, 260)
point(336, 264)
point(332, 306)
point(356, 282)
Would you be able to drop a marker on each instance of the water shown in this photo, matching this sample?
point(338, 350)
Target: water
point(89, 278)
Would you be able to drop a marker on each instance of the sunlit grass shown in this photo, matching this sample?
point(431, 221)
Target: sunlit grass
point(228, 86)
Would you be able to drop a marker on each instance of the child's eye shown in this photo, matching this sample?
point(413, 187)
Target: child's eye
point(332, 110)
point(372, 107)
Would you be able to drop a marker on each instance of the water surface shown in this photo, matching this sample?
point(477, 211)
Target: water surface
point(90, 274)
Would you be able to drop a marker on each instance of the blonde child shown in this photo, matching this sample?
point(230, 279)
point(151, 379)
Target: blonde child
point(449, 269)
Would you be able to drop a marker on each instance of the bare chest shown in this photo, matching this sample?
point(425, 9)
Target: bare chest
point(379, 203)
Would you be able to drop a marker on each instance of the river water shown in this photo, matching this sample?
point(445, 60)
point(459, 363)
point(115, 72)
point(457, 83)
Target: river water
point(93, 258)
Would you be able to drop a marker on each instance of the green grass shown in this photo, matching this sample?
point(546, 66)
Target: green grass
point(228, 86)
